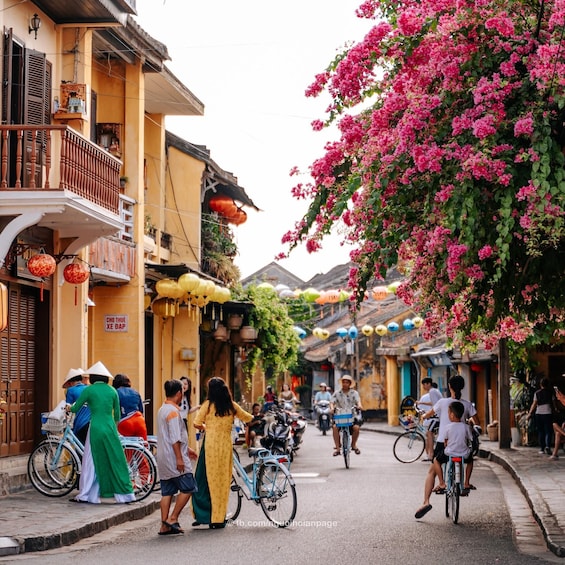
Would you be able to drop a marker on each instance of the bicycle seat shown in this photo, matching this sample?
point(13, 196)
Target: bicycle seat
point(254, 451)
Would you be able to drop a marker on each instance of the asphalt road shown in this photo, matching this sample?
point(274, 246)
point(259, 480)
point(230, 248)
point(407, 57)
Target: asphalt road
point(364, 514)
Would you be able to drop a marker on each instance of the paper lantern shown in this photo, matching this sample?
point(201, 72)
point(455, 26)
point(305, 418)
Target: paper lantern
point(344, 295)
point(392, 327)
point(418, 322)
point(316, 332)
point(221, 333)
point(352, 332)
point(287, 293)
point(408, 324)
point(381, 330)
point(165, 307)
point(324, 334)
point(322, 299)
point(380, 292)
point(188, 281)
point(41, 265)
point(310, 294)
point(300, 332)
point(341, 332)
point(367, 330)
point(165, 287)
point(332, 296)
point(393, 287)
point(76, 273)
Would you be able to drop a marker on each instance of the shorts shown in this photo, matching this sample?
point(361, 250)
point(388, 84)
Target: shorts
point(441, 457)
point(184, 483)
point(431, 424)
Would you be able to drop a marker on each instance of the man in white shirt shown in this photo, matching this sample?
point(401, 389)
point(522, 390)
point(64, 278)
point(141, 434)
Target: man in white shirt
point(428, 400)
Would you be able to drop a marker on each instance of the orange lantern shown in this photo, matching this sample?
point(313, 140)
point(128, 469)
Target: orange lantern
point(41, 265)
point(76, 273)
point(380, 292)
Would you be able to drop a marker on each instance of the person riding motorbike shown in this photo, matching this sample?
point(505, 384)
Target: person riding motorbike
point(321, 405)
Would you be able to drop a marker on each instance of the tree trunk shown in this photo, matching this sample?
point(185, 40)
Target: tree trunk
point(504, 435)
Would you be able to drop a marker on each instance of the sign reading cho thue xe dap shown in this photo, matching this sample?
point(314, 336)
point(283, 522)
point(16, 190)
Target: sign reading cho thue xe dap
point(116, 323)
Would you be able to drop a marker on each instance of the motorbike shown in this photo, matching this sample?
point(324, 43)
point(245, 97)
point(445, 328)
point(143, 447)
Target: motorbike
point(324, 418)
point(277, 438)
point(297, 426)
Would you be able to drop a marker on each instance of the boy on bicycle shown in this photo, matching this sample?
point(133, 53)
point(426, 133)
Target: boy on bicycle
point(441, 409)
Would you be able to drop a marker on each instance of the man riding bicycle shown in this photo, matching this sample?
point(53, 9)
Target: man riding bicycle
point(344, 401)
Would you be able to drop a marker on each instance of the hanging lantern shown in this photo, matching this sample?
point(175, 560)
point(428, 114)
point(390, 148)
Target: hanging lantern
point(146, 301)
point(221, 333)
point(310, 294)
point(367, 330)
point(287, 293)
point(332, 296)
point(41, 265)
point(344, 295)
point(164, 307)
point(324, 333)
point(408, 324)
point(166, 288)
point(418, 322)
point(322, 299)
point(393, 287)
point(265, 286)
point(188, 281)
point(300, 332)
point(341, 332)
point(392, 327)
point(352, 332)
point(380, 292)
point(76, 273)
point(316, 332)
point(381, 330)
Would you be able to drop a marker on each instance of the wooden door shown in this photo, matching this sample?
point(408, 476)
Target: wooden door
point(22, 376)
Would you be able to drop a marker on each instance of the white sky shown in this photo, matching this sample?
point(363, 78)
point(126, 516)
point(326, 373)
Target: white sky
point(250, 62)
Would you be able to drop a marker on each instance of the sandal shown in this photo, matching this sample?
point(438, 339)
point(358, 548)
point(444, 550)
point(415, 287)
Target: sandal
point(439, 490)
point(337, 452)
point(356, 450)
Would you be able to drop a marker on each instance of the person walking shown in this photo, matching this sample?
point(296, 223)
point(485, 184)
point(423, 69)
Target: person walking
point(173, 459)
point(186, 407)
point(214, 467)
point(542, 407)
point(105, 471)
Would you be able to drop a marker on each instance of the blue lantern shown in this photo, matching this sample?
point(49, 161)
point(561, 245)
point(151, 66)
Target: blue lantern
point(408, 324)
point(300, 332)
point(392, 327)
point(353, 332)
point(341, 332)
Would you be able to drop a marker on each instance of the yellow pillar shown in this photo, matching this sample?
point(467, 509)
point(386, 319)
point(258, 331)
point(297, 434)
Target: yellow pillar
point(393, 390)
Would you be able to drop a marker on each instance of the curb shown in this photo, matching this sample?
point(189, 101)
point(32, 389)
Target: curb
point(17, 545)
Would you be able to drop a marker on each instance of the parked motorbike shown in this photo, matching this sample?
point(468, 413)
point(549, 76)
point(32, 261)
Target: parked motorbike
point(277, 438)
point(324, 418)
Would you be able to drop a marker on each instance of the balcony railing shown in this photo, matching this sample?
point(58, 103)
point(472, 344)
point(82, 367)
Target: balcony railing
point(58, 158)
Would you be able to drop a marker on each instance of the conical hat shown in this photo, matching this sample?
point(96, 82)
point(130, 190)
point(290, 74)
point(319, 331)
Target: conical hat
point(99, 369)
point(72, 374)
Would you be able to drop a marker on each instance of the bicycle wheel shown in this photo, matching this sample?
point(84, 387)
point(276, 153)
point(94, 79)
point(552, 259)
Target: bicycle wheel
point(409, 446)
point(142, 470)
point(277, 493)
point(234, 501)
point(346, 445)
point(53, 469)
point(455, 493)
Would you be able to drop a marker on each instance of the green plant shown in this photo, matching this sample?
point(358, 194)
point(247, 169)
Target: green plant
point(302, 389)
point(218, 250)
point(277, 342)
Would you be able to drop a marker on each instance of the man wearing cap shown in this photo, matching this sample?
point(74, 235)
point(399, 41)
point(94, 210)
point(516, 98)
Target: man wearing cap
point(428, 400)
point(105, 472)
point(74, 386)
point(344, 401)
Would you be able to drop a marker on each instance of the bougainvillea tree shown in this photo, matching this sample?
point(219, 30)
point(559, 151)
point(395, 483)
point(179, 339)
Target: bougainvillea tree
point(450, 161)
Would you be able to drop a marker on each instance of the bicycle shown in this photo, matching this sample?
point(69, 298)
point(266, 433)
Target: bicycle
point(454, 471)
point(344, 423)
point(409, 446)
point(54, 466)
point(268, 482)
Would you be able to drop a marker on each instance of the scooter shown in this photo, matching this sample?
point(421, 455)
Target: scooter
point(278, 435)
point(324, 419)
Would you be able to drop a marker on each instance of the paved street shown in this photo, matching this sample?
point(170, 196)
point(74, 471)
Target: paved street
point(365, 514)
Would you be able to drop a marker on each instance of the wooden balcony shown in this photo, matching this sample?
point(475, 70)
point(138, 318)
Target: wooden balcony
point(57, 157)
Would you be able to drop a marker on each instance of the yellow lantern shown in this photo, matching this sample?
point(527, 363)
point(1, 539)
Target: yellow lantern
point(367, 330)
point(324, 334)
point(381, 330)
point(146, 301)
point(418, 322)
point(393, 287)
point(188, 281)
point(166, 287)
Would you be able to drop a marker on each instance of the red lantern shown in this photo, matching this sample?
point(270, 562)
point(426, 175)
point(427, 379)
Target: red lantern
point(76, 273)
point(41, 265)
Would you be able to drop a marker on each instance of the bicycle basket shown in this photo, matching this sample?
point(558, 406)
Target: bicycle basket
point(343, 420)
point(51, 425)
point(408, 421)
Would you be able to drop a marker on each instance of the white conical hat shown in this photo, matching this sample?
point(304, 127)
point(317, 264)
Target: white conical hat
point(72, 374)
point(99, 369)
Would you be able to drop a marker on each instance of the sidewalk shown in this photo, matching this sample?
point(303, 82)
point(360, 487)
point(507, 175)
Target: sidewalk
point(30, 521)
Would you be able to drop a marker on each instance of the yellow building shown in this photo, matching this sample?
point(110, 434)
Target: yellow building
point(90, 179)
